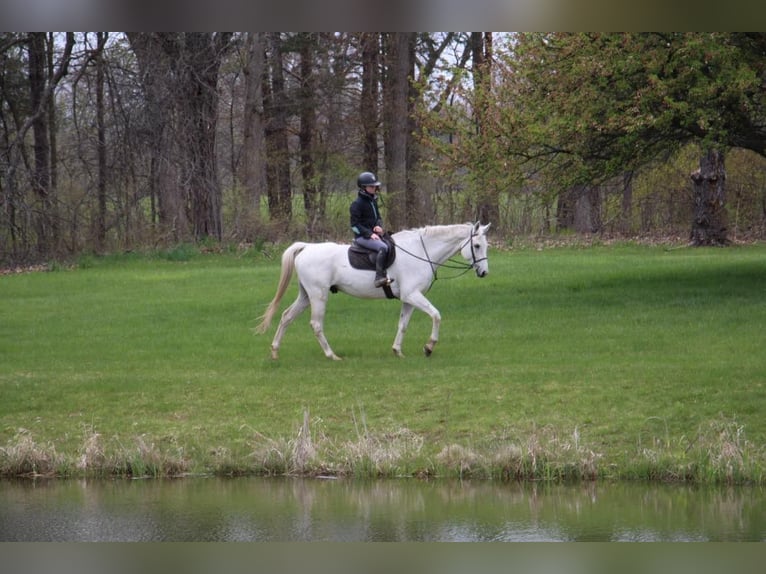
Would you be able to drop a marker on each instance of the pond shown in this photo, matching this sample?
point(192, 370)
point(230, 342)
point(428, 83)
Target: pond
point(405, 510)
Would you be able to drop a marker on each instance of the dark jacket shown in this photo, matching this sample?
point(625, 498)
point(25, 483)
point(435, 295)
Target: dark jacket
point(364, 214)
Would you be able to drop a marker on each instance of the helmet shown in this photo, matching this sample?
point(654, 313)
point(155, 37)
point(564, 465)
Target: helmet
point(367, 178)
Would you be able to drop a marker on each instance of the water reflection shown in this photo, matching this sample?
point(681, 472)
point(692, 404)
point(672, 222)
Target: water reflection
point(258, 509)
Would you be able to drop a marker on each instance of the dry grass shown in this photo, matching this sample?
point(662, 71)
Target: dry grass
point(542, 454)
point(23, 456)
point(312, 453)
point(719, 453)
point(399, 452)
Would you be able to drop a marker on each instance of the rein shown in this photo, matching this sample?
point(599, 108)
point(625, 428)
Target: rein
point(450, 263)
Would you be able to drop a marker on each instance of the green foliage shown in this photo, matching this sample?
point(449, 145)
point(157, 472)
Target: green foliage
point(585, 109)
point(613, 102)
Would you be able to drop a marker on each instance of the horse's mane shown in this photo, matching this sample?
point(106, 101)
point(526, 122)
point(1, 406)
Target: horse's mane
point(434, 229)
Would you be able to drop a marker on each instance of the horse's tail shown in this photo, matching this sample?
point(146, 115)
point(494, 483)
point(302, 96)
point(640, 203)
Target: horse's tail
point(288, 265)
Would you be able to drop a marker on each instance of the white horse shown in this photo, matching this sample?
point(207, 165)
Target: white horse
point(324, 267)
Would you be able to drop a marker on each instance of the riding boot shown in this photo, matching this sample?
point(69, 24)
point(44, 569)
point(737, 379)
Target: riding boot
point(381, 278)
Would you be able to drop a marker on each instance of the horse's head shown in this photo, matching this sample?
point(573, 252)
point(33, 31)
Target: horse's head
point(475, 249)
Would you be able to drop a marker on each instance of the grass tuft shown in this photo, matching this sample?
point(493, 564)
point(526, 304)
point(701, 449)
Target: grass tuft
point(23, 456)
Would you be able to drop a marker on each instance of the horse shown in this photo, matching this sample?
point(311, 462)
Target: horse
point(324, 268)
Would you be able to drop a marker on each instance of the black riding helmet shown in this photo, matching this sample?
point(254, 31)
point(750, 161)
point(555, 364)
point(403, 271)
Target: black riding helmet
point(367, 178)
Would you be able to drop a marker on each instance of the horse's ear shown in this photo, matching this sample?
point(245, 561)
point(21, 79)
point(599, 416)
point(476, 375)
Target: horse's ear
point(480, 229)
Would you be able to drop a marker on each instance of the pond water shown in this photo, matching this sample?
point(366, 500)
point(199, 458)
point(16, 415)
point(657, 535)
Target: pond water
point(405, 510)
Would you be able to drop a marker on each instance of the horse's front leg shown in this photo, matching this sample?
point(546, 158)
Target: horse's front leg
point(419, 301)
point(404, 320)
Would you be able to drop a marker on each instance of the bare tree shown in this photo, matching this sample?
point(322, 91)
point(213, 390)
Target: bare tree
point(187, 91)
point(101, 38)
point(254, 161)
point(307, 97)
point(168, 202)
point(396, 87)
point(198, 67)
point(42, 83)
point(370, 45)
point(277, 144)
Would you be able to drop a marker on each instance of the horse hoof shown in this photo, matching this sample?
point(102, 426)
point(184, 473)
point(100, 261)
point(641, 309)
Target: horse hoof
point(398, 353)
point(428, 350)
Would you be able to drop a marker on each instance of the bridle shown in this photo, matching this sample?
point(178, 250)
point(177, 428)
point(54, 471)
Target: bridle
point(474, 261)
point(449, 263)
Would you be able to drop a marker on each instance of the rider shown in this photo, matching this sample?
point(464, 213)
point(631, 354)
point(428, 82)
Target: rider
point(367, 224)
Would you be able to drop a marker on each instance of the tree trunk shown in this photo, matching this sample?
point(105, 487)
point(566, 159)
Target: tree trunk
point(52, 128)
point(277, 147)
point(481, 46)
point(369, 101)
point(165, 189)
point(199, 107)
point(101, 143)
point(307, 129)
point(395, 130)
point(709, 226)
point(254, 156)
point(180, 77)
point(593, 195)
point(566, 207)
point(414, 202)
point(626, 217)
point(39, 215)
point(45, 216)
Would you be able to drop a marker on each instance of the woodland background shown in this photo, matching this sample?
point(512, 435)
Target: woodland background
point(123, 141)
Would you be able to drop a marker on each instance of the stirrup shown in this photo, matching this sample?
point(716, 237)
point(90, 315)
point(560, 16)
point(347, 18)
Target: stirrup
point(383, 281)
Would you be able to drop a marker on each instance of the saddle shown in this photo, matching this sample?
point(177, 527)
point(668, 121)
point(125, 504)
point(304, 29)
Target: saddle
point(362, 258)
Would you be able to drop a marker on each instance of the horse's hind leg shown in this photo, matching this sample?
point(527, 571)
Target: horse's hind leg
point(318, 306)
point(288, 316)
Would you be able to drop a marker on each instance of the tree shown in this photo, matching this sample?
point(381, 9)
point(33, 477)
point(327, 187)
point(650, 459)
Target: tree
point(370, 47)
point(101, 38)
point(47, 221)
point(276, 104)
point(180, 80)
point(590, 107)
point(481, 54)
point(254, 156)
point(168, 198)
point(307, 96)
point(466, 127)
point(199, 63)
point(399, 67)
point(709, 225)
point(409, 61)
point(37, 114)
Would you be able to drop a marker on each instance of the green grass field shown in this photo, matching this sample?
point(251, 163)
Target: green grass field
point(610, 362)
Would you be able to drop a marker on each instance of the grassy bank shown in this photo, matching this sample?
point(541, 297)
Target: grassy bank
point(565, 363)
